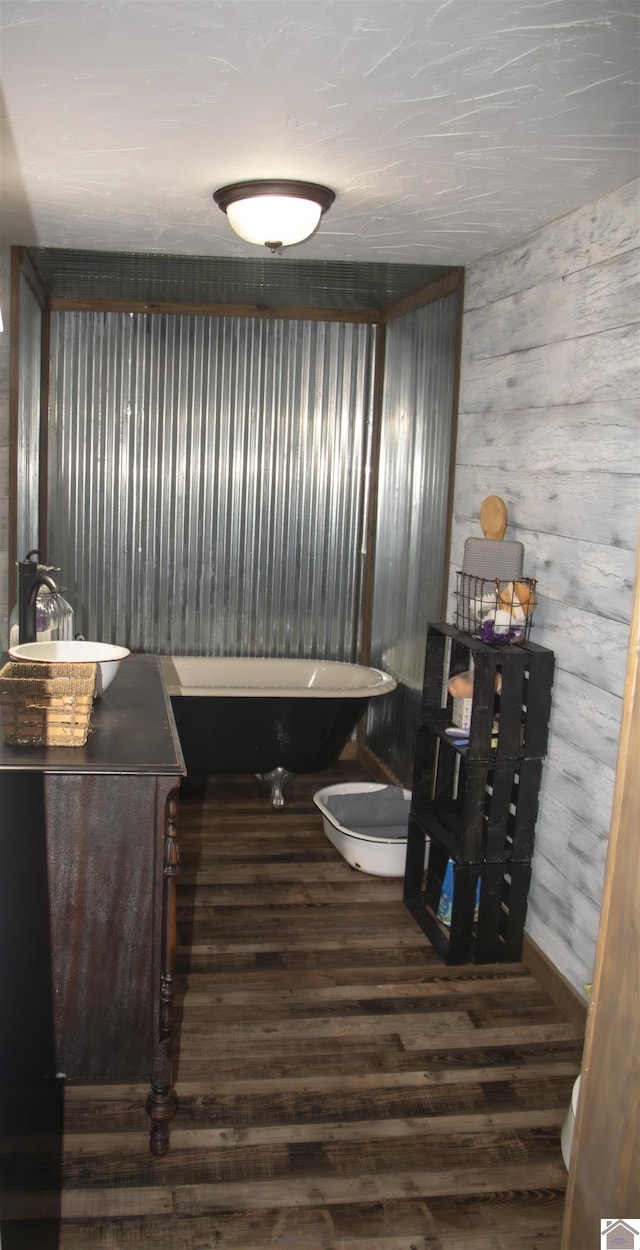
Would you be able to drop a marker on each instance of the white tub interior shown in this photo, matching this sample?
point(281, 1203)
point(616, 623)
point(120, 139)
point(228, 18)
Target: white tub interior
point(248, 677)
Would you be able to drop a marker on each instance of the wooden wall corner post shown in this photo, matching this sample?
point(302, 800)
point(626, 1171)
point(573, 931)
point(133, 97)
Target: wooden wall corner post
point(162, 1101)
point(22, 267)
point(369, 517)
point(364, 592)
point(14, 400)
point(604, 1175)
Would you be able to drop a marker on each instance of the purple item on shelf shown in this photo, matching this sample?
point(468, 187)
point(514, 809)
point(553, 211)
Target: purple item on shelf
point(489, 633)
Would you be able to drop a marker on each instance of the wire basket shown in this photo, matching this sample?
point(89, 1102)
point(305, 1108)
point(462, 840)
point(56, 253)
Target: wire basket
point(495, 610)
point(46, 704)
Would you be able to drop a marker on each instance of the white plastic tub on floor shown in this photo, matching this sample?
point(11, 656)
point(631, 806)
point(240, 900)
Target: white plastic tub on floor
point(366, 848)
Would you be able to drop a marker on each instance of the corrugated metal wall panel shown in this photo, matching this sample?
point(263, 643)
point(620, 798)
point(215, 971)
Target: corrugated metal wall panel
point(413, 487)
point(28, 441)
point(205, 480)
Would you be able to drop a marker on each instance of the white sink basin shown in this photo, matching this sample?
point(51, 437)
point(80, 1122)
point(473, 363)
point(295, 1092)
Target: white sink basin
point(104, 654)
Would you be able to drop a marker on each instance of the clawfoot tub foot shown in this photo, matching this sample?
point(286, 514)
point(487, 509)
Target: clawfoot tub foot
point(277, 779)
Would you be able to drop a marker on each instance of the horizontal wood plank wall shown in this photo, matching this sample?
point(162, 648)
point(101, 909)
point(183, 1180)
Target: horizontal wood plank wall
point(549, 420)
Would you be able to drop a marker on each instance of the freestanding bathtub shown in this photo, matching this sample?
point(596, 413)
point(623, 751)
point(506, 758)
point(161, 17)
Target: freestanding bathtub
point(270, 717)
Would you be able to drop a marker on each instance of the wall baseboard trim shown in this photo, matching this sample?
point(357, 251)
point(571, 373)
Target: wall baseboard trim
point(349, 750)
point(562, 993)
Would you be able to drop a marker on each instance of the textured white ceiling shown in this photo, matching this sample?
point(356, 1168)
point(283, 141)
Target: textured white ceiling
point(447, 128)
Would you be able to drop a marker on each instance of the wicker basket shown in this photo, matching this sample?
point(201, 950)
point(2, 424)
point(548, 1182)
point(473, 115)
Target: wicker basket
point(47, 704)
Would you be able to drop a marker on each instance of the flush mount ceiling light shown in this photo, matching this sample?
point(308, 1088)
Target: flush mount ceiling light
point(274, 212)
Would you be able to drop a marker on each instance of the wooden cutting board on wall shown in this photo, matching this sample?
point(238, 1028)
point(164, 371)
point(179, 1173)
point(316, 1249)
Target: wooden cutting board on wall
point(492, 556)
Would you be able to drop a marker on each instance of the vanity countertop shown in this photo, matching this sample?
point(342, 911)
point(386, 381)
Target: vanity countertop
point(132, 730)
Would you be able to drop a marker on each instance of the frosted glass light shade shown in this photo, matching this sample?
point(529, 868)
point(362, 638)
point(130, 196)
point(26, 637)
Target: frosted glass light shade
point(274, 213)
point(274, 218)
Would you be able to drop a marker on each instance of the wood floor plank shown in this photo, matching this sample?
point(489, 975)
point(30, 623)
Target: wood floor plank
point(340, 958)
point(97, 1146)
point(373, 1031)
point(365, 1188)
point(235, 1103)
point(276, 990)
point(385, 968)
point(482, 1006)
point(340, 1088)
point(287, 894)
point(283, 1190)
point(42, 1204)
point(336, 1063)
point(477, 1223)
point(212, 871)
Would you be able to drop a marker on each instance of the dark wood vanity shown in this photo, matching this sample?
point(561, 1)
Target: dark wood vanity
point(88, 929)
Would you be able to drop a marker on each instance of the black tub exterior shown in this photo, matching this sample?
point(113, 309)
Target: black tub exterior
point(259, 734)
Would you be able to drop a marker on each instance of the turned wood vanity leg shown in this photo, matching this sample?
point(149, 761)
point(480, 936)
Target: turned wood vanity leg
point(161, 1107)
point(162, 1102)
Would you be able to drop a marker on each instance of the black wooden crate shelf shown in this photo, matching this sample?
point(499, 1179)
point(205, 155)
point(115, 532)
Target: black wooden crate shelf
point(483, 811)
point(477, 803)
point(492, 935)
point(522, 707)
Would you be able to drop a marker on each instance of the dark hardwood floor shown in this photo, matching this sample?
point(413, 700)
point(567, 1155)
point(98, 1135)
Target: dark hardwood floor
point(340, 1088)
